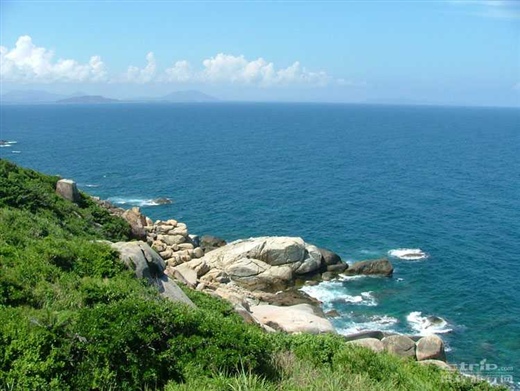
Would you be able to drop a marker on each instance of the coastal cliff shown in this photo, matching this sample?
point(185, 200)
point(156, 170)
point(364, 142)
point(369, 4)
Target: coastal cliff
point(73, 316)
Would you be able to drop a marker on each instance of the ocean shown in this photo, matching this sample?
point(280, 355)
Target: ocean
point(360, 180)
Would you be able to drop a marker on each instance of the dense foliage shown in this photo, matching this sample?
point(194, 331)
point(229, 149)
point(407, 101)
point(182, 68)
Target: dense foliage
point(72, 317)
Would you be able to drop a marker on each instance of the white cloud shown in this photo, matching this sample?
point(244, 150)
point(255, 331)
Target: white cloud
point(238, 70)
point(28, 63)
point(180, 72)
point(142, 75)
point(229, 69)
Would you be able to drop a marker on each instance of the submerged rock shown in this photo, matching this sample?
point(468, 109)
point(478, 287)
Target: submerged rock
point(381, 267)
point(162, 201)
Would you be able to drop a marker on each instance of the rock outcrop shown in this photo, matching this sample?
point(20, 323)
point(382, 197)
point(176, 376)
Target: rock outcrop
point(381, 267)
point(139, 257)
point(209, 243)
point(373, 344)
point(265, 263)
point(137, 222)
point(147, 264)
point(399, 345)
point(298, 318)
point(67, 189)
point(431, 347)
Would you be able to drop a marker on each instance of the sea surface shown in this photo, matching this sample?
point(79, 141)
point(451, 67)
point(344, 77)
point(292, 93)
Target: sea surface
point(359, 180)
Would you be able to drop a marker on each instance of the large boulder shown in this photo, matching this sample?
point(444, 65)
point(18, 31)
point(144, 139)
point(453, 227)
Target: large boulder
point(400, 345)
point(186, 275)
point(381, 267)
point(294, 319)
point(169, 289)
point(329, 257)
point(137, 222)
point(66, 188)
point(365, 334)
point(371, 343)
point(430, 347)
point(265, 263)
point(147, 264)
point(139, 257)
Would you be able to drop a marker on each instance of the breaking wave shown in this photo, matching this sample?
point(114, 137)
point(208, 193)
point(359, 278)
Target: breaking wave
point(427, 325)
point(359, 322)
point(413, 254)
point(331, 292)
point(133, 201)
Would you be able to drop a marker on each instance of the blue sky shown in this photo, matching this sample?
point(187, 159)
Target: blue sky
point(439, 52)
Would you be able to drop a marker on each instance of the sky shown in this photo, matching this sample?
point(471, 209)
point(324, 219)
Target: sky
point(449, 52)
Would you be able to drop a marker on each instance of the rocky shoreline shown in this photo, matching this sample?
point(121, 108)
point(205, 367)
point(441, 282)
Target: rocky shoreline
point(258, 276)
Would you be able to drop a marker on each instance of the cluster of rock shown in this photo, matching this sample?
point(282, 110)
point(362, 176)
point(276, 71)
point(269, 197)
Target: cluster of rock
point(426, 350)
point(256, 275)
point(171, 240)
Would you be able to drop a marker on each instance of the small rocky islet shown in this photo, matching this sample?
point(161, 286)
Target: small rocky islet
point(258, 276)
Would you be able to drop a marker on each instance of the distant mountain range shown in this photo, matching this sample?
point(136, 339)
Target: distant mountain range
point(41, 97)
point(88, 99)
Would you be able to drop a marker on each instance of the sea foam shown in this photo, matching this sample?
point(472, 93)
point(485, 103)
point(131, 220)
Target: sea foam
point(361, 323)
point(413, 254)
point(427, 325)
point(133, 201)
point(331, 292)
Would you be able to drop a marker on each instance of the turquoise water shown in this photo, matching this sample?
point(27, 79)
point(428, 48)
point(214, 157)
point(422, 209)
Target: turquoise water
point(360, 180)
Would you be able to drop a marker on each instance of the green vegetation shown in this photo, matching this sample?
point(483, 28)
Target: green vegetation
point(73, 318)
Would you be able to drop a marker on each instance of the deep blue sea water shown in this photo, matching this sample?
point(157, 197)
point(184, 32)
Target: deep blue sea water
point(360, 180)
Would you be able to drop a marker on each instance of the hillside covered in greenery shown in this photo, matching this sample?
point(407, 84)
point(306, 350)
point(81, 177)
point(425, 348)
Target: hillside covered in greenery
point(73, 318)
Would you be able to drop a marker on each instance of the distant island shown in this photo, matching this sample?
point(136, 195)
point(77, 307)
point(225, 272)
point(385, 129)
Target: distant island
point(88, 99)
point(44, 97)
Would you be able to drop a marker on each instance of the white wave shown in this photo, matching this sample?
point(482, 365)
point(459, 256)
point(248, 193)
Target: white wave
point(371, 323)
point(427, 325)
point(91, 185)
point(330, 292)
point(344, 277)
point(5, 145)
point(408, 253)
point(133, 201)
point(16, 151)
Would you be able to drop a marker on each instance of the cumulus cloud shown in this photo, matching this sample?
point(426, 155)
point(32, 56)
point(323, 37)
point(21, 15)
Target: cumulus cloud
point(229, 69)
point(237, 69)
point(28, 63)
point(180, 72)
point(142, 75)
